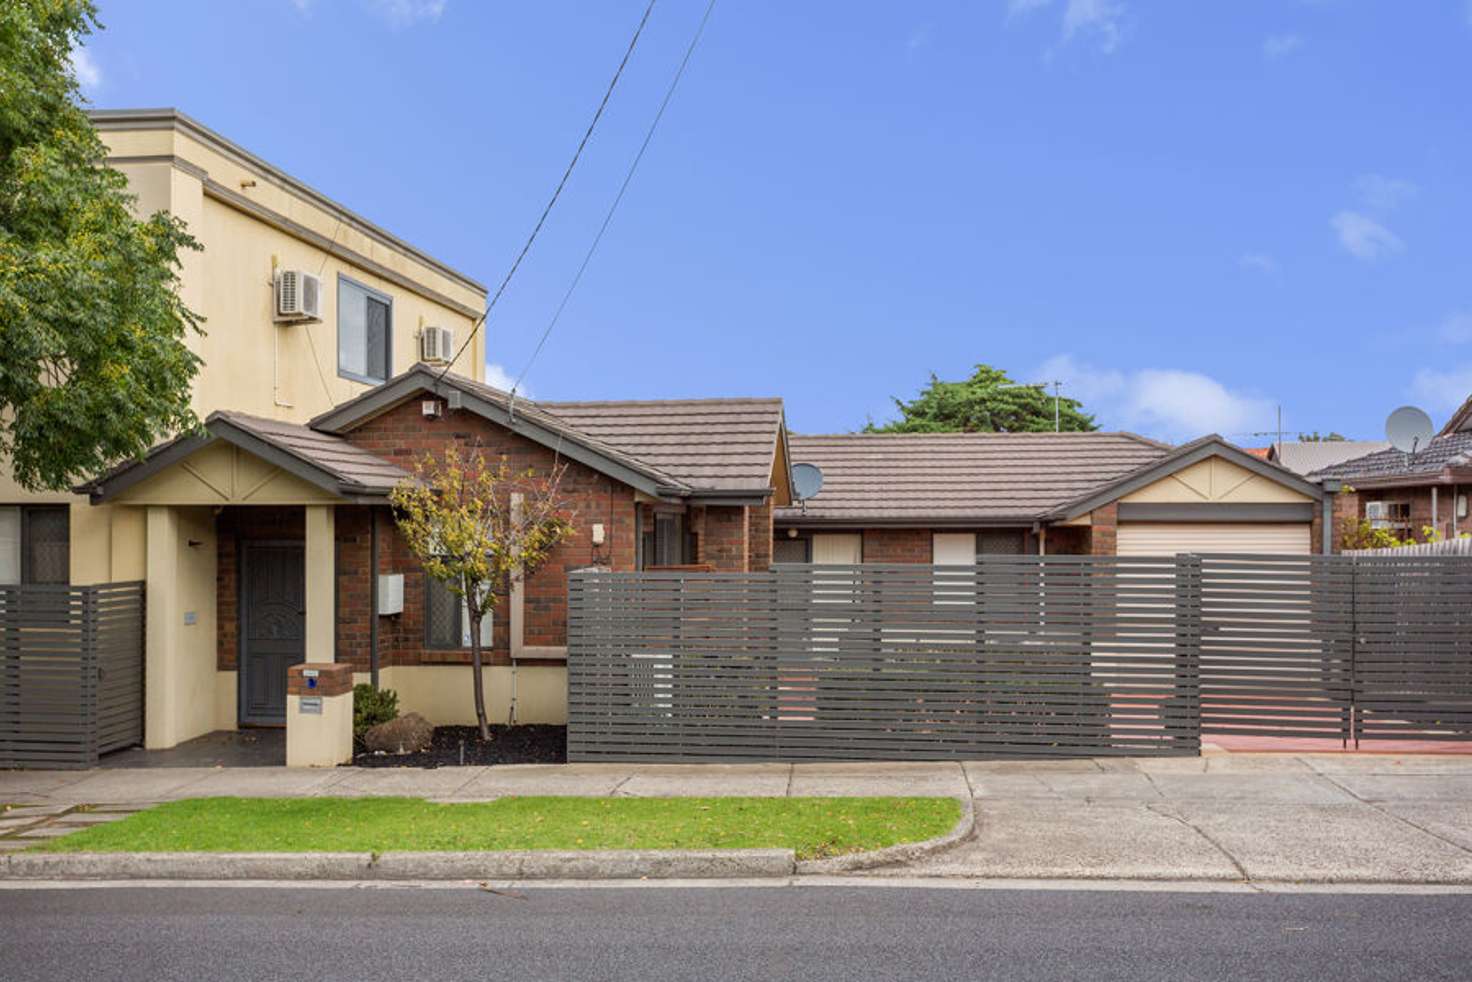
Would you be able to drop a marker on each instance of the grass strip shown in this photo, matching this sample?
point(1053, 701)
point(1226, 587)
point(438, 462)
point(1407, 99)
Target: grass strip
point(812, 827)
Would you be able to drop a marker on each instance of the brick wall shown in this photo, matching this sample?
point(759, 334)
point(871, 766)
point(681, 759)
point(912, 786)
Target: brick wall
point(725, 538)
point(897, 545)
point(1104, 530)
point(759, 520)
point(404, 435)
point(1349, 509)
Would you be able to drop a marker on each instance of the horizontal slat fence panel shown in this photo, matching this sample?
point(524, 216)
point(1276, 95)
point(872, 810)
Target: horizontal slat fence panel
point(1017, 656)
point(71, 673)
point(1277, 635)
point(1413, 647)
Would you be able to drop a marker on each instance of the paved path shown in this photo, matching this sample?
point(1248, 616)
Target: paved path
point(1320, 818)
point(813, 933)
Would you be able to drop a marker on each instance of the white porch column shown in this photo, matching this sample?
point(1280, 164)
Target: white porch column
point(161, 668)
point(321, 554)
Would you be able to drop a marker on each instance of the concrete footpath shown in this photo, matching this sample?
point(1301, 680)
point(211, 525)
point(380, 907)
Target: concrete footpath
point(1324, 818)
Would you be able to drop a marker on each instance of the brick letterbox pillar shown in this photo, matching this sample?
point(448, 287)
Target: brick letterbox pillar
point(319, 714)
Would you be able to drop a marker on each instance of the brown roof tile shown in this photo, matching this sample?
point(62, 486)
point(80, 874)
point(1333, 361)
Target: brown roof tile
point(349, 464)
point(987, 477)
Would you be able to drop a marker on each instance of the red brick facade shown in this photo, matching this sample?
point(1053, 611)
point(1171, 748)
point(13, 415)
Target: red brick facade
point(1104, 530)
point(1349, 509)
point(726, 538)
point(897, 545)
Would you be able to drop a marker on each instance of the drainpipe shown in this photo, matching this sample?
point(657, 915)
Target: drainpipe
point(1435, 521)
point(373, 594)
point(1326, 531)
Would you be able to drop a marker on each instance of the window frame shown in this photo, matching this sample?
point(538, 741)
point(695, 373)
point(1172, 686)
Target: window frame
point(388, 334)
point(24, 566)
point(433, 644)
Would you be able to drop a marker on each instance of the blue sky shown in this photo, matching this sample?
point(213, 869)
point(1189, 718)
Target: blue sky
point(1191, 212)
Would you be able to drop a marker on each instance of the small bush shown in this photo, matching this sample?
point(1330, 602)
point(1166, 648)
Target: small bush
point(373, 706)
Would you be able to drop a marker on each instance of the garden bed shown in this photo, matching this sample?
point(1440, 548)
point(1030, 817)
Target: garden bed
point(461, 745)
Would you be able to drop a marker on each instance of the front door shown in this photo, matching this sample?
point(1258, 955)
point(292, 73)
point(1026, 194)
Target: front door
point(272, 627)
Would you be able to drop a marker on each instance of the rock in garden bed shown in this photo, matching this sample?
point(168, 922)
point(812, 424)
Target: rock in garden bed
point(409, 733)
point(533, 744)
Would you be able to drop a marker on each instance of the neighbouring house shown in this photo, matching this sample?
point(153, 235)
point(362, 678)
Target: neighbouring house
point(948, 498)
point(277, 537)
point(1409, 493)
point(1311, 456)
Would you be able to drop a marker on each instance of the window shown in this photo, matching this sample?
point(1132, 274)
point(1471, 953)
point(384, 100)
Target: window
point(446, 621)
point(668, 543)
point(35, 544)
point(788, 550)
point(364, 332)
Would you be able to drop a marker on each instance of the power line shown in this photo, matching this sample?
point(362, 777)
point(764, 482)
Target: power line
point(628, 178)
point(556, 193)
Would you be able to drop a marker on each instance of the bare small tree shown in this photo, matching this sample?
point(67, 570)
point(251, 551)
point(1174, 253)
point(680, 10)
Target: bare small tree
point(479, 528)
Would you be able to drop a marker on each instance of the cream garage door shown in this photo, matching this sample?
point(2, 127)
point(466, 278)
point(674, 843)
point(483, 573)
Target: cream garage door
point(1169, 538)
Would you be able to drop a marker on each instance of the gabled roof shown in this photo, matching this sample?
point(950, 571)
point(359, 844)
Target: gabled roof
point(959, 478)
point(327, 461)
point(1461, 420)
point(679, 448)
point(1308, 457)
point(728, 444)
point(1444, 455)
point(1179, 459)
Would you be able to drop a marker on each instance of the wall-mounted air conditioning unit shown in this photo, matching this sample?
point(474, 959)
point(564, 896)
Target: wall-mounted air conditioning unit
point(298, 296)
point(1378, 514)
point(436, 344)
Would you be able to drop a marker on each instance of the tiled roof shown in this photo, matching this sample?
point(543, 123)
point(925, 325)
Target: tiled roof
point(1453, 450)
point(725, 444)
point(988, 477)
point(1312, 456)
point(351, 465)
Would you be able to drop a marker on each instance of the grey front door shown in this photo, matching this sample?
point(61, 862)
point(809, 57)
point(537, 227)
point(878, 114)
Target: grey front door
point(273, 598)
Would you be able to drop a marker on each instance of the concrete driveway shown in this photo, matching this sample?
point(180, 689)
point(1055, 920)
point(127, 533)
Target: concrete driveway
point(1272, 817)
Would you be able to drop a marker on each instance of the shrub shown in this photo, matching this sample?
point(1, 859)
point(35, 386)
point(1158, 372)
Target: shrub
point(372, 706)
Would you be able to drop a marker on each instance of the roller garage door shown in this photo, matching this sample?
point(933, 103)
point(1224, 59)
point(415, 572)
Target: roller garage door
point(1169, 538)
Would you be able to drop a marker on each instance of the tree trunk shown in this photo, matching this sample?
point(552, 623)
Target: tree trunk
point(479, 688)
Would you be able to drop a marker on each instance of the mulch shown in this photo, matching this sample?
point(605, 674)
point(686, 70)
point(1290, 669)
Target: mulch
point(456, 745)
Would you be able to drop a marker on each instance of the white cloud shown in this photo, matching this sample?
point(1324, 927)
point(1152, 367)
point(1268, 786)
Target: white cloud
point(919, 38)
point(1442, 390)
point(85, 68)
point(1384, 193)
point(1364, 238)
point(1099, 18)
point(1171, 403)
point(1258, 261)
point(407, 13)
point(498, 377)
point(1457, 328)
point(1277, 46)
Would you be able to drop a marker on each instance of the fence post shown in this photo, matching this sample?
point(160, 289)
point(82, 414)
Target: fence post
point(91, 665)
point(1188, 643)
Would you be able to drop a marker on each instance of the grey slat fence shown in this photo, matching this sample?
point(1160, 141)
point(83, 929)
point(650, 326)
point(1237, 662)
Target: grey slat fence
point(1017, 656)
point(71, 673)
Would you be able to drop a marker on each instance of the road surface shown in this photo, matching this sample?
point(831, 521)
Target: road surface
point(811, 933)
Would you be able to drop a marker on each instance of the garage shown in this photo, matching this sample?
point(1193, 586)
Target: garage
point(1169, 538)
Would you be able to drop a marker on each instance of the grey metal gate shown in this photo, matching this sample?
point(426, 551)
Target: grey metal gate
point(71, 673)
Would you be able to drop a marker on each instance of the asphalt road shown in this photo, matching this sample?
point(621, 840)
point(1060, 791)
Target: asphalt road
point(808, 933)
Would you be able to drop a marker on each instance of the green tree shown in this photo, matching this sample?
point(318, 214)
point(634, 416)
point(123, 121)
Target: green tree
point(1316, 437)
point(93, 362)
point(987, 402)
point(478, 529)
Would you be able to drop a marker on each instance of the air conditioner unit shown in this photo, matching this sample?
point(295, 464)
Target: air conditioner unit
point(1377, 513)
point(436, 344)
point(298, 296)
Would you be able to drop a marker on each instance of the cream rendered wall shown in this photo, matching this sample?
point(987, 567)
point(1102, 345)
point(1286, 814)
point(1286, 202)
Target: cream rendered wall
point(441, 693)
point(1216, 479)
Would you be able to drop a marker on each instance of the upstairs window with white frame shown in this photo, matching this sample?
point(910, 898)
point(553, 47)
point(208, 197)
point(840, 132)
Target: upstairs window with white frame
point(365, 321)
point(35, 544)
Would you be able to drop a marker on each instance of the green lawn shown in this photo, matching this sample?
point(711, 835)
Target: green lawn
point(813, 827)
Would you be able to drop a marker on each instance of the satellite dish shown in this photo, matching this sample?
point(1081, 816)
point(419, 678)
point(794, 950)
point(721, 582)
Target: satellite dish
point(1408, 429)
point(807, 481)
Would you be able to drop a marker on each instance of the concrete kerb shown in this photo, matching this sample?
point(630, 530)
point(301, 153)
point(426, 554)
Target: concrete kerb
point(905, 852)
point(590, 865)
